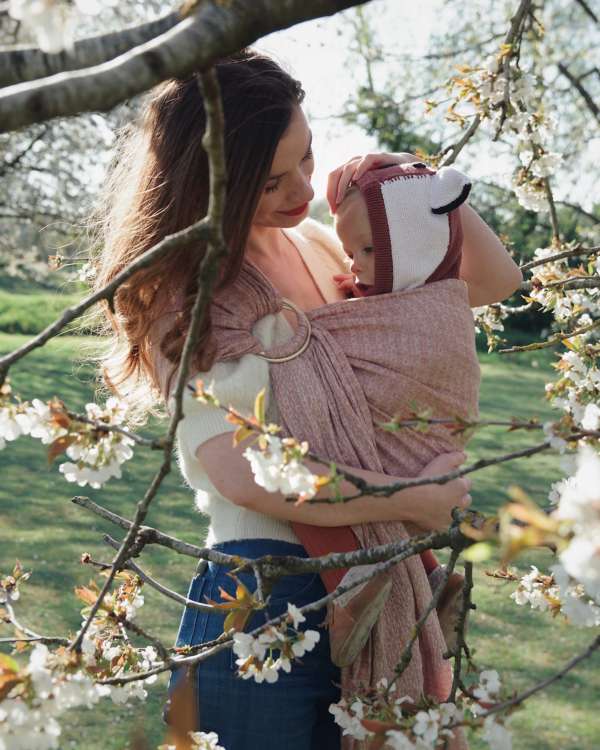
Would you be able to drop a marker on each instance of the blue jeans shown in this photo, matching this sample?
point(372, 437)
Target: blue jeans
point(291, 713)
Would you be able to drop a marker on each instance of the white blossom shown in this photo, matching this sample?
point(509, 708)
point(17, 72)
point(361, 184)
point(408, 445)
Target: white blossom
point(545, 165)
point(41, 424)
point(267, 465)
point(530, 197)
point(396, 740)
point(12, 424)
point(40, 675)
point(96, 458)
point(266, 671)
point(575, 604)
point(496, 735)
point(489, 686)
point(256, 653)
point(274, 471)
point(52, 22)
point(427, 725)
point(87, 273)
point(205, 741)
point(351, 725)
point(245, 645)
point(122, 694)
point(558, 443)
point(531, 591)
point(96, 455)
point(296, 479)
point(450, 714)
point(591, 417)
point(306, 642)
point(296, 616)
point(580, 498)
point(84, 475)
point(32, 724)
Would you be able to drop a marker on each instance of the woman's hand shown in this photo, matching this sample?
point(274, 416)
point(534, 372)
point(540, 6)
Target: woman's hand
point(434, 513)
point(341, 177)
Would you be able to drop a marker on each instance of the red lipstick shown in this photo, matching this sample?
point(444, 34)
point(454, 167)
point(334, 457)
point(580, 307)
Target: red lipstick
point(296, 211)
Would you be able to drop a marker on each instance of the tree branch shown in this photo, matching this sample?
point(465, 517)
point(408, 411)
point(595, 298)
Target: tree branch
point(591, 282)
point(552, 341)
point(553, 214)
point(276, 565)
point(575, 252)
point(216, 29)
point(10, 163)
point(406, 655)
point(213, 142)
point(153, 583)
point(587, 10)
point(454, 539)
point(585, 94)
point(28, 63)
point(461, 645)
point(516, 29)
point(544, 683)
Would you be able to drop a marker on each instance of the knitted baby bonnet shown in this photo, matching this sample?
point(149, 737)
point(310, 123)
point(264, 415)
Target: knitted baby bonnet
point(416, 227)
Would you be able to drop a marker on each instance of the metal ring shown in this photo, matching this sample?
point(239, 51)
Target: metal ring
point(285, 303)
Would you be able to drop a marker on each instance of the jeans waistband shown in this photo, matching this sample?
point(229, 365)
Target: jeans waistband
point(257, 547)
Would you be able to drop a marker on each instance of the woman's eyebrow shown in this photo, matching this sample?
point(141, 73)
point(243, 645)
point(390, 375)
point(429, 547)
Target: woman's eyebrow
point(283, 174)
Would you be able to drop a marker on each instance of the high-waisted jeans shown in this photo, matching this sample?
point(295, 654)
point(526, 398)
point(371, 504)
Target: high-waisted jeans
point(291, 713)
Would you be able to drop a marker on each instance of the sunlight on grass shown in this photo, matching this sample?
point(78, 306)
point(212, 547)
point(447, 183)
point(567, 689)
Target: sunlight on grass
point(40, 525)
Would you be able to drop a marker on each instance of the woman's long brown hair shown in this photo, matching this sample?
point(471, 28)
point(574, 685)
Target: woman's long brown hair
point(158, 185)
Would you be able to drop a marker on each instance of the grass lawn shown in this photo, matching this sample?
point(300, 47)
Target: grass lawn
point(28, 313)
point(41, 527)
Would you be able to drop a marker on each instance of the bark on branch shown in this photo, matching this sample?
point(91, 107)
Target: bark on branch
point(272, 566)
point(215, 30)
point(23, 64)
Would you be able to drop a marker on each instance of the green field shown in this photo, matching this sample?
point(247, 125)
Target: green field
point(40, 526)
point(24, 312)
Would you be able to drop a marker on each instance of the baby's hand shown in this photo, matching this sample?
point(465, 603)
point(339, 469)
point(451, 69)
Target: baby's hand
point(345, 282)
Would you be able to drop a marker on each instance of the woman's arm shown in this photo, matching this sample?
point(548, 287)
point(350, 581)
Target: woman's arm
point(491, 274)
point(487, 268)
point(428, 506)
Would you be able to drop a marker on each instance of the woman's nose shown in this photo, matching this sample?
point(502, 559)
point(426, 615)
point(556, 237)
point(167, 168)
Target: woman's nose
point(303, 190)
point(354, 268)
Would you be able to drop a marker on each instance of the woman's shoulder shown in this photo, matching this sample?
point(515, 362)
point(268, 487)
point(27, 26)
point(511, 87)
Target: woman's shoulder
point(315, 231)
point(320, 245)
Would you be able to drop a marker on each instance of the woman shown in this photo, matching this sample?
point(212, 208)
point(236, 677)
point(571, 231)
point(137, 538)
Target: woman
point(161, 183)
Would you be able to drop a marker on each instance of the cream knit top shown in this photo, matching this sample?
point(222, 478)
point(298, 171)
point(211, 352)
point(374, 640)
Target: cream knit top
point(236, 383)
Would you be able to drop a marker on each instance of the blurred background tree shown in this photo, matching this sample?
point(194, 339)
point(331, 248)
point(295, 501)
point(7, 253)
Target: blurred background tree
point(401, 99)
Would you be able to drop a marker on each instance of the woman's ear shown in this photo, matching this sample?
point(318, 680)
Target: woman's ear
point(449, 189)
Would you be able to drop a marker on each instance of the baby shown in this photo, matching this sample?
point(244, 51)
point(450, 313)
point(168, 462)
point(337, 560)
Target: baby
point(401, 229)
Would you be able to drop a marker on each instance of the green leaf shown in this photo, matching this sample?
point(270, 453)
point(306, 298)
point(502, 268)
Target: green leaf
point(259, 407)
point(8, 664)
point(478, 552)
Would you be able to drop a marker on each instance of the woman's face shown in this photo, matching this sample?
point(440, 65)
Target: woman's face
point(287, 193)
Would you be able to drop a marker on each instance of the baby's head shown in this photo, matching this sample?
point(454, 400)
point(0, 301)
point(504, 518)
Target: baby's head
point(401, 227)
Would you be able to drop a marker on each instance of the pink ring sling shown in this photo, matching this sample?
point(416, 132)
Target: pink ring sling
point(349, 366)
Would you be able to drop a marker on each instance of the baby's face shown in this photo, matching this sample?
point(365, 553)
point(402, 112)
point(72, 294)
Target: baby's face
point(354, 230)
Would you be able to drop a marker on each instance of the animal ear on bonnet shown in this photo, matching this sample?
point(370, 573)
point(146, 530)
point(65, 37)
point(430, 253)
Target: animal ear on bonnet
point(449, 190)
